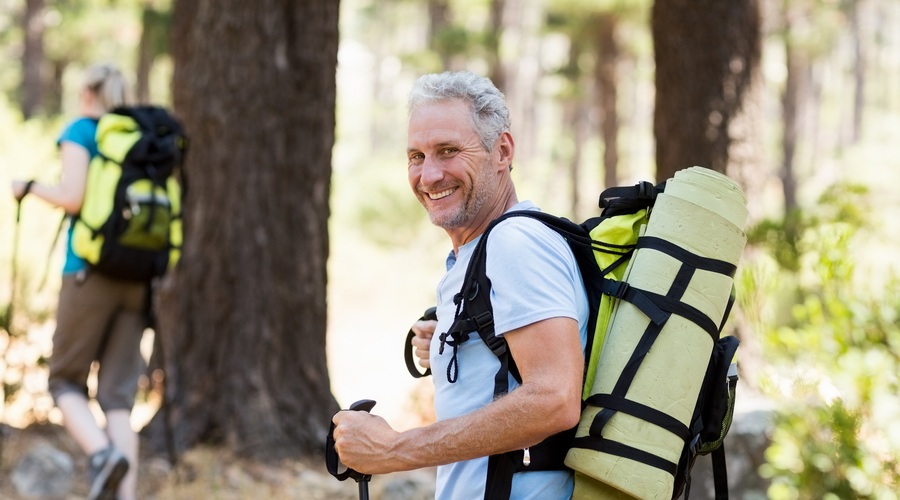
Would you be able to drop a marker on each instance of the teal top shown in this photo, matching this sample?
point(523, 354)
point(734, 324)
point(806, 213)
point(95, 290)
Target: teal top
point(83, 132)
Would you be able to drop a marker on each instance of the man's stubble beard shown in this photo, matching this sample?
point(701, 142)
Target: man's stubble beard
point(483, 188)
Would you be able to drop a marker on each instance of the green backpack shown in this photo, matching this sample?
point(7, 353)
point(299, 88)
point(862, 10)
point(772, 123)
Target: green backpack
point(603, 247)
point(130, 223)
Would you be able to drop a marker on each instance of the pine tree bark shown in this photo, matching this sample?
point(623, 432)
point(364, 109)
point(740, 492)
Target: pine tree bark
point(243, 317)
point(706, 53)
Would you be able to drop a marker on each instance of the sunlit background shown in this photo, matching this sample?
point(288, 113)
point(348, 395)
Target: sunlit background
point(821, 306)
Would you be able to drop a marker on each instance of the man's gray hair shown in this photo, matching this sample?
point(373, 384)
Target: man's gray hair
point(489, 112)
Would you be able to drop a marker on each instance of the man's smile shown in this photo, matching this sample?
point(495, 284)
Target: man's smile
point(442, 194)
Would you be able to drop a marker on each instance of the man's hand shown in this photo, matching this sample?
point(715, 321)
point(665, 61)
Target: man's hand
point(363, 442)
point(424, 330)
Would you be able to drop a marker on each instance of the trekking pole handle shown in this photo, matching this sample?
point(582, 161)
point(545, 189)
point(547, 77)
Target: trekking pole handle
point(429, 315)
point(365, 405)
point(333, 461)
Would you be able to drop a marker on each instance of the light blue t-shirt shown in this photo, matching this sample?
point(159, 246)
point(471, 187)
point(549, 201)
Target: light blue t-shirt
point(81, 131)
point(534, 276)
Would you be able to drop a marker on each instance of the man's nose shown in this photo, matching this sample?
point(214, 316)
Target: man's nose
point(431, 172)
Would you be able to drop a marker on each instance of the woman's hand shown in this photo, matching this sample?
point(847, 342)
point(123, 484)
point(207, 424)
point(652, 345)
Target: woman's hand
point(19, 189)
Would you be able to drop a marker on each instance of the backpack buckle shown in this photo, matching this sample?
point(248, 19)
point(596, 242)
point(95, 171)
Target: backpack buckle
point(646, 190)
point(695, 445)
point(617, 289)
point(483, 320)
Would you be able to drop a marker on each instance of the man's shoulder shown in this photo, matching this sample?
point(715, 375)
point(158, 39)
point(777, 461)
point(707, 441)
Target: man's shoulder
point(516, 231)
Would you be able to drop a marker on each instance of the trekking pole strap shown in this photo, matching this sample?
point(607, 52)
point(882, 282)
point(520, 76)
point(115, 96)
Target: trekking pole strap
point(430, 314)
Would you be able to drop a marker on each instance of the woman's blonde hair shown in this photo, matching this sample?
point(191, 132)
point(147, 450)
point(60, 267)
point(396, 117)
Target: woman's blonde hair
point(109, 85)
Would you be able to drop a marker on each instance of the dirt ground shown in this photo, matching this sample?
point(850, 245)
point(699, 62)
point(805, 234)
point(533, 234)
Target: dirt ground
point(200, 473)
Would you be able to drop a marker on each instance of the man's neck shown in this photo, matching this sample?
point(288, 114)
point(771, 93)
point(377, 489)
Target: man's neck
point(463, 235)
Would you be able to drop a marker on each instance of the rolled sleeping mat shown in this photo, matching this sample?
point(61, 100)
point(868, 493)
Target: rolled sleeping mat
point(684, 264)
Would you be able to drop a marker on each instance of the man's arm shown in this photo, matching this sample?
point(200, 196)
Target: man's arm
point(550, 361)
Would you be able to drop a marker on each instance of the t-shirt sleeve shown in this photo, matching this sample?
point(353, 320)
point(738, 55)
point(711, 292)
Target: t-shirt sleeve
point(533, 274)
point(79, 132)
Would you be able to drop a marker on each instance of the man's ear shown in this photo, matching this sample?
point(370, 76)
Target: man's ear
point(505, 150)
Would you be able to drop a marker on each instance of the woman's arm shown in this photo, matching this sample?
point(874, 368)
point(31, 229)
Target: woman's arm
point(69, 192)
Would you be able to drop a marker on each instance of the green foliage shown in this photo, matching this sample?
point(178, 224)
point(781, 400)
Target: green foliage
point(835, 359)
point(453, 40)
point(793, 237)
point(820, 452)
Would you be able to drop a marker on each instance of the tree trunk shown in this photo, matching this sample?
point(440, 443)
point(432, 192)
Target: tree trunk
point(792, 108)
point(438, 22)
point(243, 317)
point(145, 56)
point(706, 52)
point(575, 121)
point(859, 68)
point(30, 92)
point(495, 32)
point(155, 24)
point(524, 21)
point(606, 80)
point(52, 87)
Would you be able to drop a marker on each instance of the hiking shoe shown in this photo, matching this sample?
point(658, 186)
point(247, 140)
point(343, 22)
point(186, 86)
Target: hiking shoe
point(106, 468)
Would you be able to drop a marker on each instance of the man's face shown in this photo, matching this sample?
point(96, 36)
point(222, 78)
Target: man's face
point(449, 170)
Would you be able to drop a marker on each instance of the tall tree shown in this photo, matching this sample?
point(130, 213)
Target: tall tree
point(860, 55)
point(707, 54)
point(792, 103)
point(606, 81)
point(593, 32)
point(153, 43)
point(492, 41)
point(243, 317)
point(30, 91)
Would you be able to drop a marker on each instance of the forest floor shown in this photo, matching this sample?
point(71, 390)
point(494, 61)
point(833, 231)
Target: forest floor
point(206, 473)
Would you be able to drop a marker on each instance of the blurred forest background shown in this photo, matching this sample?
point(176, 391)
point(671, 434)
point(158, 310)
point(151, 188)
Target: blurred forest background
point(813, 136)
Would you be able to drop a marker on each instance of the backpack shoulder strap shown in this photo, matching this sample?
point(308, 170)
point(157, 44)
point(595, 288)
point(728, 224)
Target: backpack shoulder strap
point(550, 453)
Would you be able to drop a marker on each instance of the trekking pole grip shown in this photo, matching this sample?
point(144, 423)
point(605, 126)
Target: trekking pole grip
point(333, 461)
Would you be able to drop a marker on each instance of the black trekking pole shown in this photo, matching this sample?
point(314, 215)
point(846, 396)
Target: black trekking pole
point(7, 320)
point(8, 317)
point(333, 461)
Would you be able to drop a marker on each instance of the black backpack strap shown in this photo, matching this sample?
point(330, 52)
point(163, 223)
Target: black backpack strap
point(629, 199)
point(549, 454)
point(475, 313)
point(720, 474)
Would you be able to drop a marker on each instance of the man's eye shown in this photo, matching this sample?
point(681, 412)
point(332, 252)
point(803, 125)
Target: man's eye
point(448, 151)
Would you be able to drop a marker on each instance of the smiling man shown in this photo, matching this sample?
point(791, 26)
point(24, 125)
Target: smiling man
point(460, 152)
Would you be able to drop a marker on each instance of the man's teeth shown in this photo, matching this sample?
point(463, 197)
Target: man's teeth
point(442, 194)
